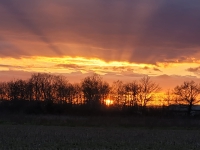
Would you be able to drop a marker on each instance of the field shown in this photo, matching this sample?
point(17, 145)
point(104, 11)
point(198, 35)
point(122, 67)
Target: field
point(53, 132)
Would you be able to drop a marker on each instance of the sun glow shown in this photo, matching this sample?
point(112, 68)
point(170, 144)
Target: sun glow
point(81, 66)
point(69, 64)
point(108, 102)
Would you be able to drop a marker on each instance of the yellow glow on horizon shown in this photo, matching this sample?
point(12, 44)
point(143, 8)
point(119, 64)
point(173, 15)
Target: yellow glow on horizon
point(178, 68)
point(158, 99)
point(68, 64)
point(40, 63)
point(108, 102)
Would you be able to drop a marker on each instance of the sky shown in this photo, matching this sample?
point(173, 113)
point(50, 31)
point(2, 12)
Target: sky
point(120, 40)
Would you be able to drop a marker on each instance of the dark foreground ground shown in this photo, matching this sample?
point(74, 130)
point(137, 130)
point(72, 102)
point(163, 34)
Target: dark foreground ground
point(62, 132)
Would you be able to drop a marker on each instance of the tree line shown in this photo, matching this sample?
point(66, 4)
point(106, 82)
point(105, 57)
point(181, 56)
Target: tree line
point(47, 93)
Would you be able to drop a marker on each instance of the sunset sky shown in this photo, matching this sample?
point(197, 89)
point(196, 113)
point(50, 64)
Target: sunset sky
point(118, 39)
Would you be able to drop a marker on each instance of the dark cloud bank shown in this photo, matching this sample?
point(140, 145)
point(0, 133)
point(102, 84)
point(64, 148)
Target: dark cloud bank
point(133, 30)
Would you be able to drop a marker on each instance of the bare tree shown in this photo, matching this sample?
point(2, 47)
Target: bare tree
point(43, 86)
point(78, 94)
point(17, 90)
point(104, 91)
point(60, 88)
point(29, 90)
point(69, 93)
point(3, 91)
point(147, 90)
point(132, 92)
point(188, 94)
point(94, 90)
point(118, 93)
point(35, 81)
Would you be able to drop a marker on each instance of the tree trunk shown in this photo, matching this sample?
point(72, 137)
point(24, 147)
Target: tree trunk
point(189, 109)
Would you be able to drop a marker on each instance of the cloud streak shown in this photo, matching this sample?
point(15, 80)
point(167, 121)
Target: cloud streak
point(22, 17)
point(137, 31)
point(195, 70)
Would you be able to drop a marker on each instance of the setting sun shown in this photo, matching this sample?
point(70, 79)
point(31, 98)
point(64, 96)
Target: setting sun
point(108, 102)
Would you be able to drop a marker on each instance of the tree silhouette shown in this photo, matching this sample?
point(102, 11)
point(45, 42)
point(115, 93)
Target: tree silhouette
point(78, 94)
point(60, 85)
point(188, 94)
point(35, 84)
point(94, 90)
point(3, 91)
point(118, 92)
point(17, 89)
point(132, 92)
point(147, 90)
point(47, 93)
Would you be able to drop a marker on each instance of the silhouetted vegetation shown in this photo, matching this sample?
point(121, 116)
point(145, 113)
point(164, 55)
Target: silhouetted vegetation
point(45, 93)
point(188, 93)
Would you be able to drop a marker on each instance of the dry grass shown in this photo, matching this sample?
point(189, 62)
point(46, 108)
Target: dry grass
point(101, 121)
point(70, 132)
point(61, 137)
